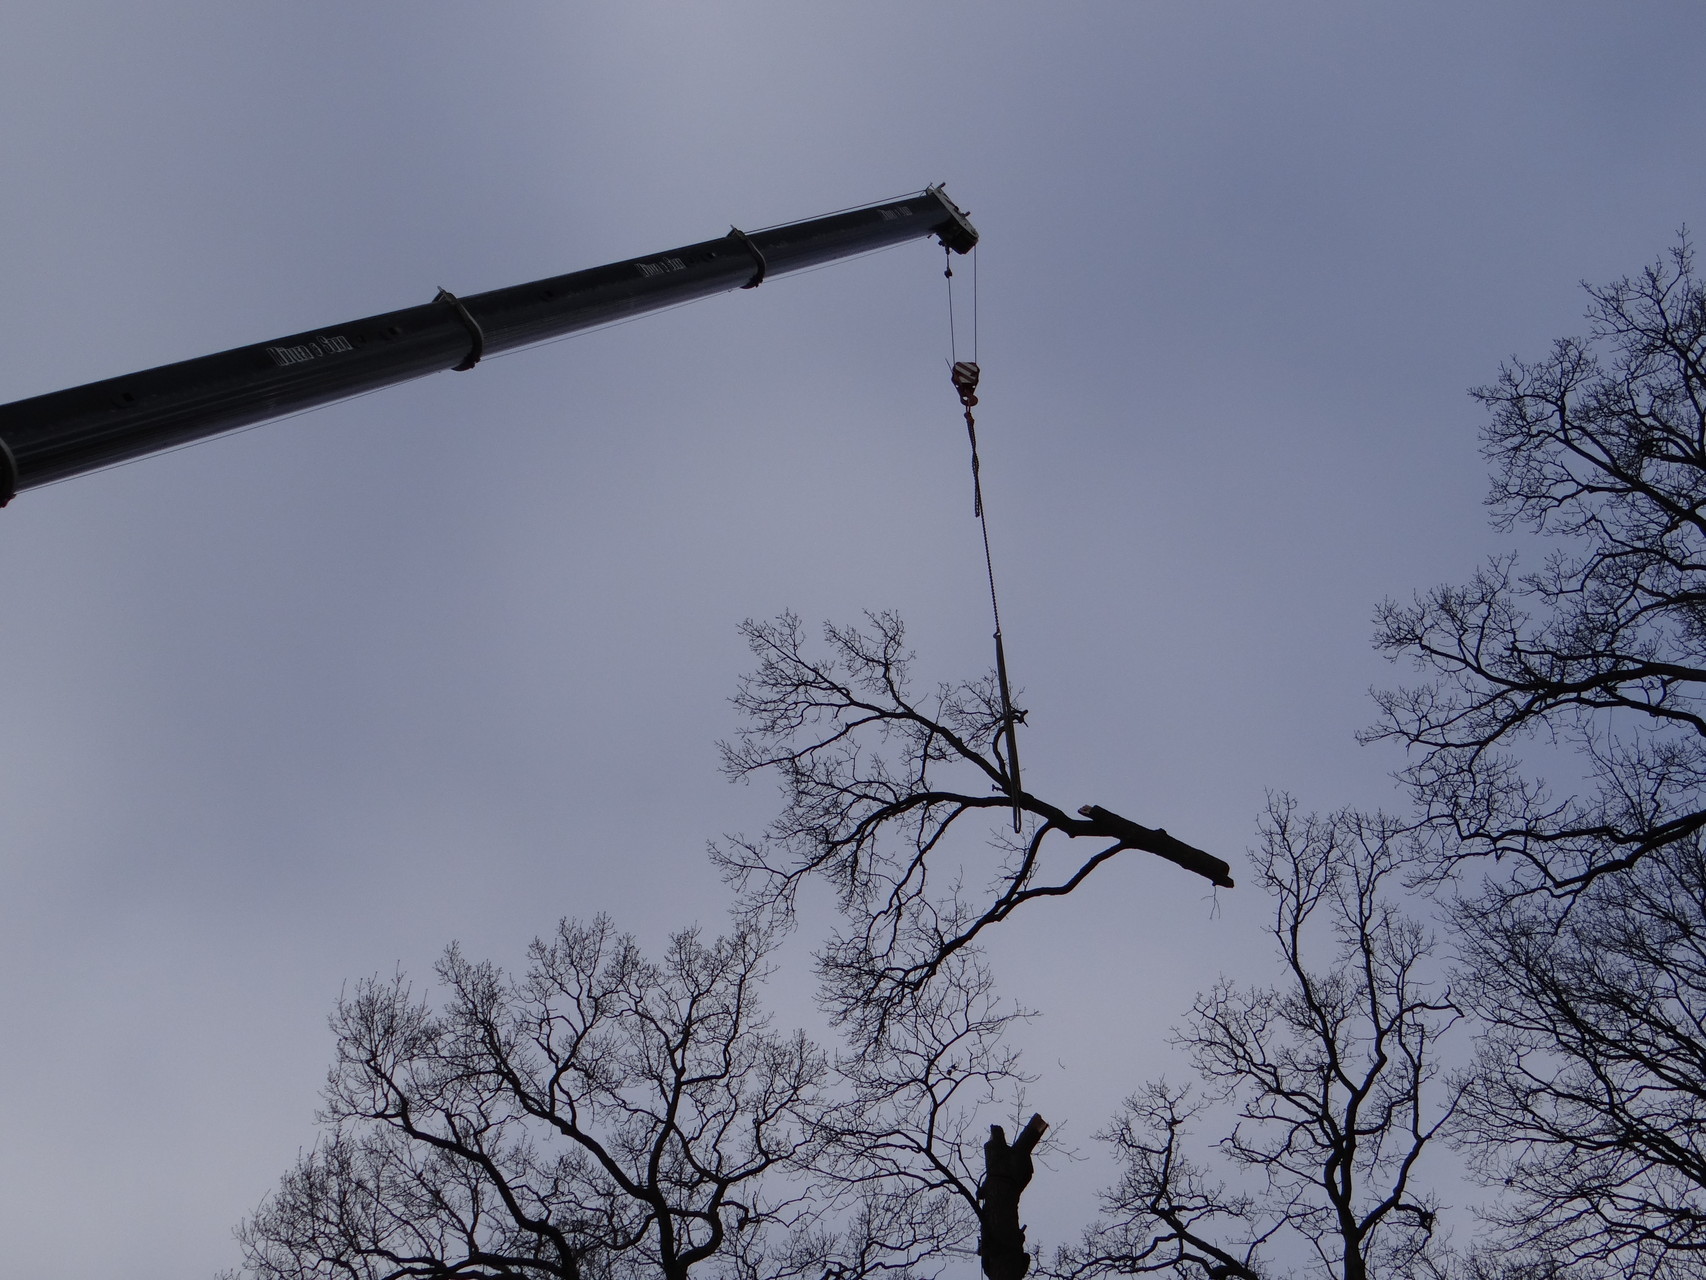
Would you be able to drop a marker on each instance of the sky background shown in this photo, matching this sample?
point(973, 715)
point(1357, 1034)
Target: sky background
point(305, 704)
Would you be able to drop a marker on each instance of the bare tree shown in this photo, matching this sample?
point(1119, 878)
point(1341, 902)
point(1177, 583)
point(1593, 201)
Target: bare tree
point(1331, 1082)
point(604, 1116)
point(877, 781)
point(1601, 446)
point(1589, 1096)
point(1580, 942)
point(1168, 1213)
point(905, 1138)
point(600, 1115)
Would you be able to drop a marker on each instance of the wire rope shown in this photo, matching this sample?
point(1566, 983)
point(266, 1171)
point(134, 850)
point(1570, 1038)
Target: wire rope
point(965, 374)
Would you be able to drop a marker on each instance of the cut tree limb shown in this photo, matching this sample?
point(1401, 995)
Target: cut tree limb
point(1155, 840)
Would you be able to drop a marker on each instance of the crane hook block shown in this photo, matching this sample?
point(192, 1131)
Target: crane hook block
point(964, 374)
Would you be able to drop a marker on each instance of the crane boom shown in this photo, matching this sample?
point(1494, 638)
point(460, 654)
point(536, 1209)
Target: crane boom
point(66, 433)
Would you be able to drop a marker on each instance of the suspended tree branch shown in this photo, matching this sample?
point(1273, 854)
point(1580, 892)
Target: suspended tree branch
point(876, 779)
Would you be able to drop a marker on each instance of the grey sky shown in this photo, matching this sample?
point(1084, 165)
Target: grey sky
point(449, 662)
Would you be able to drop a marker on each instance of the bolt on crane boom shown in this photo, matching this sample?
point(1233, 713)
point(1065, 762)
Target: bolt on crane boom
point(66, 433)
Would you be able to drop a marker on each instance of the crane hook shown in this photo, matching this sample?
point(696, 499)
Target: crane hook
point(964, 374)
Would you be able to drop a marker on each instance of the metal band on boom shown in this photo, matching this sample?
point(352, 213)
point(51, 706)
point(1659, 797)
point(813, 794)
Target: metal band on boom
point(735, 233)
point(478, 348)
point(8, 475)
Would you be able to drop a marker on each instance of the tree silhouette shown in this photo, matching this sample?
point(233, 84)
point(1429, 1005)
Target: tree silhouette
point(605, 1116)
point(1328, 1086)
point(1582, 901)
point(1588, 1102)
point(1601, 447)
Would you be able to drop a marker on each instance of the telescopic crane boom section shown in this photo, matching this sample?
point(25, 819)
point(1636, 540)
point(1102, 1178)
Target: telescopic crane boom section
point(65, 433)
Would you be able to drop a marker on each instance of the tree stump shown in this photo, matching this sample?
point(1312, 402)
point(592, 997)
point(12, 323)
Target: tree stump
point(1006, 1172)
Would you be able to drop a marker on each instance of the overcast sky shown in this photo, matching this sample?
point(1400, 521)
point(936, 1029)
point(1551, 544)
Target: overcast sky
point(448, 662)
